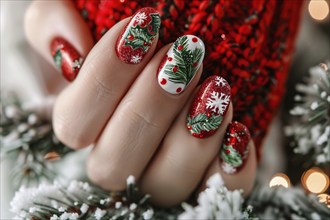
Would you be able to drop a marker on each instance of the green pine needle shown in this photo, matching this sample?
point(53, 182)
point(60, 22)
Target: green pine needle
point(201, 122)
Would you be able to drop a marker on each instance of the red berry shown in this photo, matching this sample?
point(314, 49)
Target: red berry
point(130, 37)
point(180, 47)
point(227, 151)
point(175, 68)
point(194, 39)
point(145, 43)
point(163, 82)
point(189, 127)
point(170, 59)
point(194, 64)
point(178, 89)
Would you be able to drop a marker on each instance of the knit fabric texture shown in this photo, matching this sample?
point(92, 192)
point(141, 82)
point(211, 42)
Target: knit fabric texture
point(249, 43)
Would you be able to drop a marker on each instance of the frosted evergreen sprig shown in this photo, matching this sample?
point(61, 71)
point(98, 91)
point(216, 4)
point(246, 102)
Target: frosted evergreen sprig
point(286, 203)
point(28, 138)
point(217, 202)
point(311, 132)
point(80, 200)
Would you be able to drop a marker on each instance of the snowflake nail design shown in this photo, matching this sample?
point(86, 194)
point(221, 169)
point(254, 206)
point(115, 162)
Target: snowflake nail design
point(138, 36)
point(235, 147)
point(209, 107)
point(66, 58)
point(180, 64)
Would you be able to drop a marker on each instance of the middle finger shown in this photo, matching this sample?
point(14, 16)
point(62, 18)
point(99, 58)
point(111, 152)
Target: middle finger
point(144, 115)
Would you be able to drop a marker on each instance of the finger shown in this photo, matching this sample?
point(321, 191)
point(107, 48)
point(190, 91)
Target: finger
point(185, 154)
point(83, 108)
point(57, 31)
point(144, 115)
point(236, 162)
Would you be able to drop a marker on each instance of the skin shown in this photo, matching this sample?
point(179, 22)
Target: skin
point(135, 127)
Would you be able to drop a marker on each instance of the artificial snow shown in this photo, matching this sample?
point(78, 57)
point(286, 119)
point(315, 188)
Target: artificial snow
point(147, 215)
point(130, 180)
point(133, 206)
point(315, 216)
point(216, 202)
point(118, 205)
point(69, 216)
point(99, 213)
point(314, 105)
point(84, 208)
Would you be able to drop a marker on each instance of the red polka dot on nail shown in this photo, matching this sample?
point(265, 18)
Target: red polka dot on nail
point(178, 89)
point(170, 59)
point(194, 39)
point(227, 151)
point(163, 82)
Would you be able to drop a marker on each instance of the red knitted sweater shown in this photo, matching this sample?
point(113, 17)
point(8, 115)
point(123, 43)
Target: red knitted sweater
point(249, 43)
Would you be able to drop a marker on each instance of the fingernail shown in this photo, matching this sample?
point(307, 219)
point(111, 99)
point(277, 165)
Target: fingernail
point(235, 147)
point(66, 58)
point(209, 107)
point(180, 64)
point(138, 36)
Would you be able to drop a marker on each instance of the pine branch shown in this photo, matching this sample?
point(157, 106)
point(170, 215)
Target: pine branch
point(141, 36)
point(58, 59)
point(81, 200)
point(182, 74)
point(155, 24)
point(28, 138)
point(286, 203)
point(312, 129)
point(231, 157)
point(186, 62)
point(201, 122)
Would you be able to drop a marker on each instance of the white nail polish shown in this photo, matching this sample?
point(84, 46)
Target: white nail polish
point(180, 64)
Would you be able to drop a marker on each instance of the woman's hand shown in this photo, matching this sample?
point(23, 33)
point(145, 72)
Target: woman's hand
point(140, 108)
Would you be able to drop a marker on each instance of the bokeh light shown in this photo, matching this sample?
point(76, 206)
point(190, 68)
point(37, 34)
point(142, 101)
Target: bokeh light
point(280, 179)
point(318, 9)
point(315, 180)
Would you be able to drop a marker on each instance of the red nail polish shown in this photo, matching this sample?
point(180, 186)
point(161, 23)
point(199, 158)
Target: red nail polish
point(66, 58)
point(209, 106)
point(235, 149)
point(138, 36)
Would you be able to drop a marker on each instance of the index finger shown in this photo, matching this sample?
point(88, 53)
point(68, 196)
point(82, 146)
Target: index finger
point(83, 108)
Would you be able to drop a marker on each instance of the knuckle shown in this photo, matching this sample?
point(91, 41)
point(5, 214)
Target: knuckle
point(140, 118)
point(66, 133)
point(103, 89)
point(176, 163)
point(107, 177)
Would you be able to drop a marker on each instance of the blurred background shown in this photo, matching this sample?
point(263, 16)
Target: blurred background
point(21, 70)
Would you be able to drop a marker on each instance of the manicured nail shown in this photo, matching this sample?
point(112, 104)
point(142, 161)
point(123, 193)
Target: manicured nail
point(235, 147)
point(66, 58)
point(180, 64)
point(209, 107)
point(138, 36)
